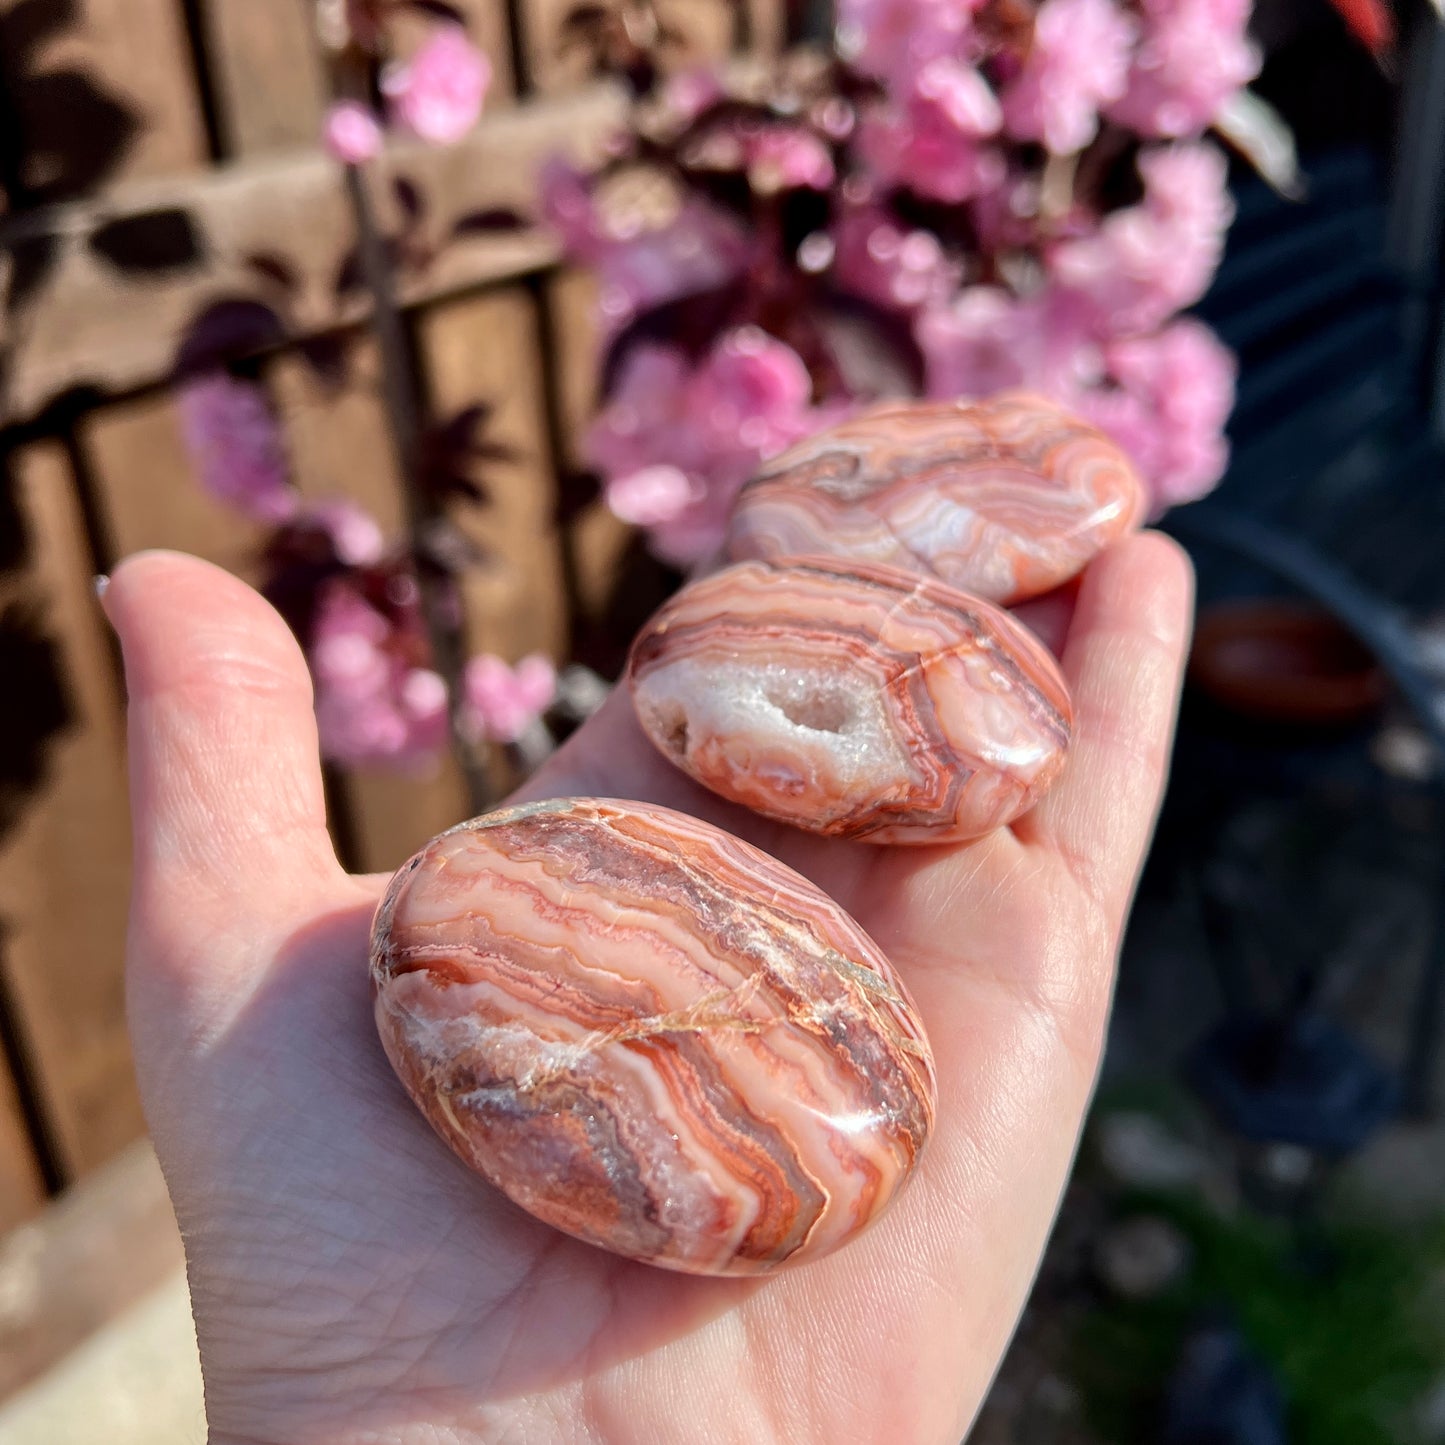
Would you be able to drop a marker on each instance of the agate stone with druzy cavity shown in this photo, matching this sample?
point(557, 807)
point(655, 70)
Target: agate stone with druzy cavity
point(853, 700)
point(651, 1035)
point(1005, 498)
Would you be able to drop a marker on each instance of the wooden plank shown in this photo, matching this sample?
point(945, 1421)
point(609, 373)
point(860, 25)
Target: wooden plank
point(22, 1190)
point(266, 64)
point(340, 445)
point(708, 26)
point(64, 869)
point(103, 1246)
point(767, 26)
point(598, 541)
point(105, 96)
point(487, 348)
point(147, 491)
point(93, 325)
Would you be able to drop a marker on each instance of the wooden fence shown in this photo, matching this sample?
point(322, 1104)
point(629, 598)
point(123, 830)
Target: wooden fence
point(204, 113)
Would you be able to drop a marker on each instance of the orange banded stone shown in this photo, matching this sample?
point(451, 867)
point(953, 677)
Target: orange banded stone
point(853, 700)
point(651, 1035)
point(1005, 498)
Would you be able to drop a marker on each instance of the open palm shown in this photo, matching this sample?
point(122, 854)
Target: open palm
point(353, 1282)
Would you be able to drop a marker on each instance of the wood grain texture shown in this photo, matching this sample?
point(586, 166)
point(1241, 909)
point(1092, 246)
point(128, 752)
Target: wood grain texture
point(147, 492)
point(64, 868)
point(853, 700)
point(130, 55)
point(22, 1189)
point(91, 325)
point(268, 72)
point(651, 1035)
point(340, 445)
point(486, 348)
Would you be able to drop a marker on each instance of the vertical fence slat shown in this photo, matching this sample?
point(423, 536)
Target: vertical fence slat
point(340, 445)
point(708, 26)
point(147, 492)
point(131, 54)
point(598, 539)
point(22, 1190)
point(268, 73)
point(487, 348)
point(65, 875)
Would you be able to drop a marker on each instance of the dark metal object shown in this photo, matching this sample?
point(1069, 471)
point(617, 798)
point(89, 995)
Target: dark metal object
point(1385, 630)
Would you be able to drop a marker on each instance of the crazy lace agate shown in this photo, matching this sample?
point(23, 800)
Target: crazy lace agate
point(853, 700)
point(651, 1035)
point(1005, 498)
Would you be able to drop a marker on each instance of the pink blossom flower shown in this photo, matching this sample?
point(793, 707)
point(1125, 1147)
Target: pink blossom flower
point(983, 342)
point(1148, 261)
point(438, 93)
point(355, 533)
point(670, 425)
point(933, 142)
point(372, 705)
point(690, 91)
point(894, 39)
point(1078, 63)
point(235, 443)
point(503, 702)
point(352, 133)
point(1174, 395)
point(652, 496)
point(1193, 57)
point(782, 158)
point(638, 266)
point(988, 340)
point(878, 260)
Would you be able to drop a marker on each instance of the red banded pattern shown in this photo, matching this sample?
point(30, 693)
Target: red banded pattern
point(651, 1035)
point(858, 701)
point(1005, 498)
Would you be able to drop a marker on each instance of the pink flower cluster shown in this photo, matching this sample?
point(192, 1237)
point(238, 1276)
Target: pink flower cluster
point(504, 702)
point(233, 438)
point(375, 703)
point(437, 95)
point(678, 441)
point(963, 148)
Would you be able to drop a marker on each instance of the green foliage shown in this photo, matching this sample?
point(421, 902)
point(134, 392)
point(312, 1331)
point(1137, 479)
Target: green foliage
point(1351, 1320)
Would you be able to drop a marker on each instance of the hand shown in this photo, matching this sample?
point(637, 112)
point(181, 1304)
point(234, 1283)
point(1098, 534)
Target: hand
point(353, 1282)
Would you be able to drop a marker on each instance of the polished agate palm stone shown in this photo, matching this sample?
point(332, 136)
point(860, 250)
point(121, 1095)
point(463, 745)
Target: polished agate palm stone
point(1004, 498)
point(651, 1035)
point(854, 700)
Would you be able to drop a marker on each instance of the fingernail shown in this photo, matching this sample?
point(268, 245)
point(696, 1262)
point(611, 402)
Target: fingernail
point(100, 583)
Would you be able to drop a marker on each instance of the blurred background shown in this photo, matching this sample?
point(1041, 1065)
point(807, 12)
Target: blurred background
point(457, 324)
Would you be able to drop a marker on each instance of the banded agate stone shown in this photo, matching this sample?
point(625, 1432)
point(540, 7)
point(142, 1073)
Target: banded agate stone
point(1005, 498)
point(853, 700)
point(651, 1035)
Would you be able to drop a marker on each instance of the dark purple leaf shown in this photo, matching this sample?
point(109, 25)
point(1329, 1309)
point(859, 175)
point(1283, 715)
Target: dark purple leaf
point(439, 10)
point(329, 358)
point(690, 323)
point(584, 22)
point(164, 240)
point(275, 269)
point(495, 221)
point(226, 330)
point(409, 198)
point(33, 259)
point(350, 276)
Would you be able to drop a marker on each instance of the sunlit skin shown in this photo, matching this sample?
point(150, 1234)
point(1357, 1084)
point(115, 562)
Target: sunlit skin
point(353, 1283)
